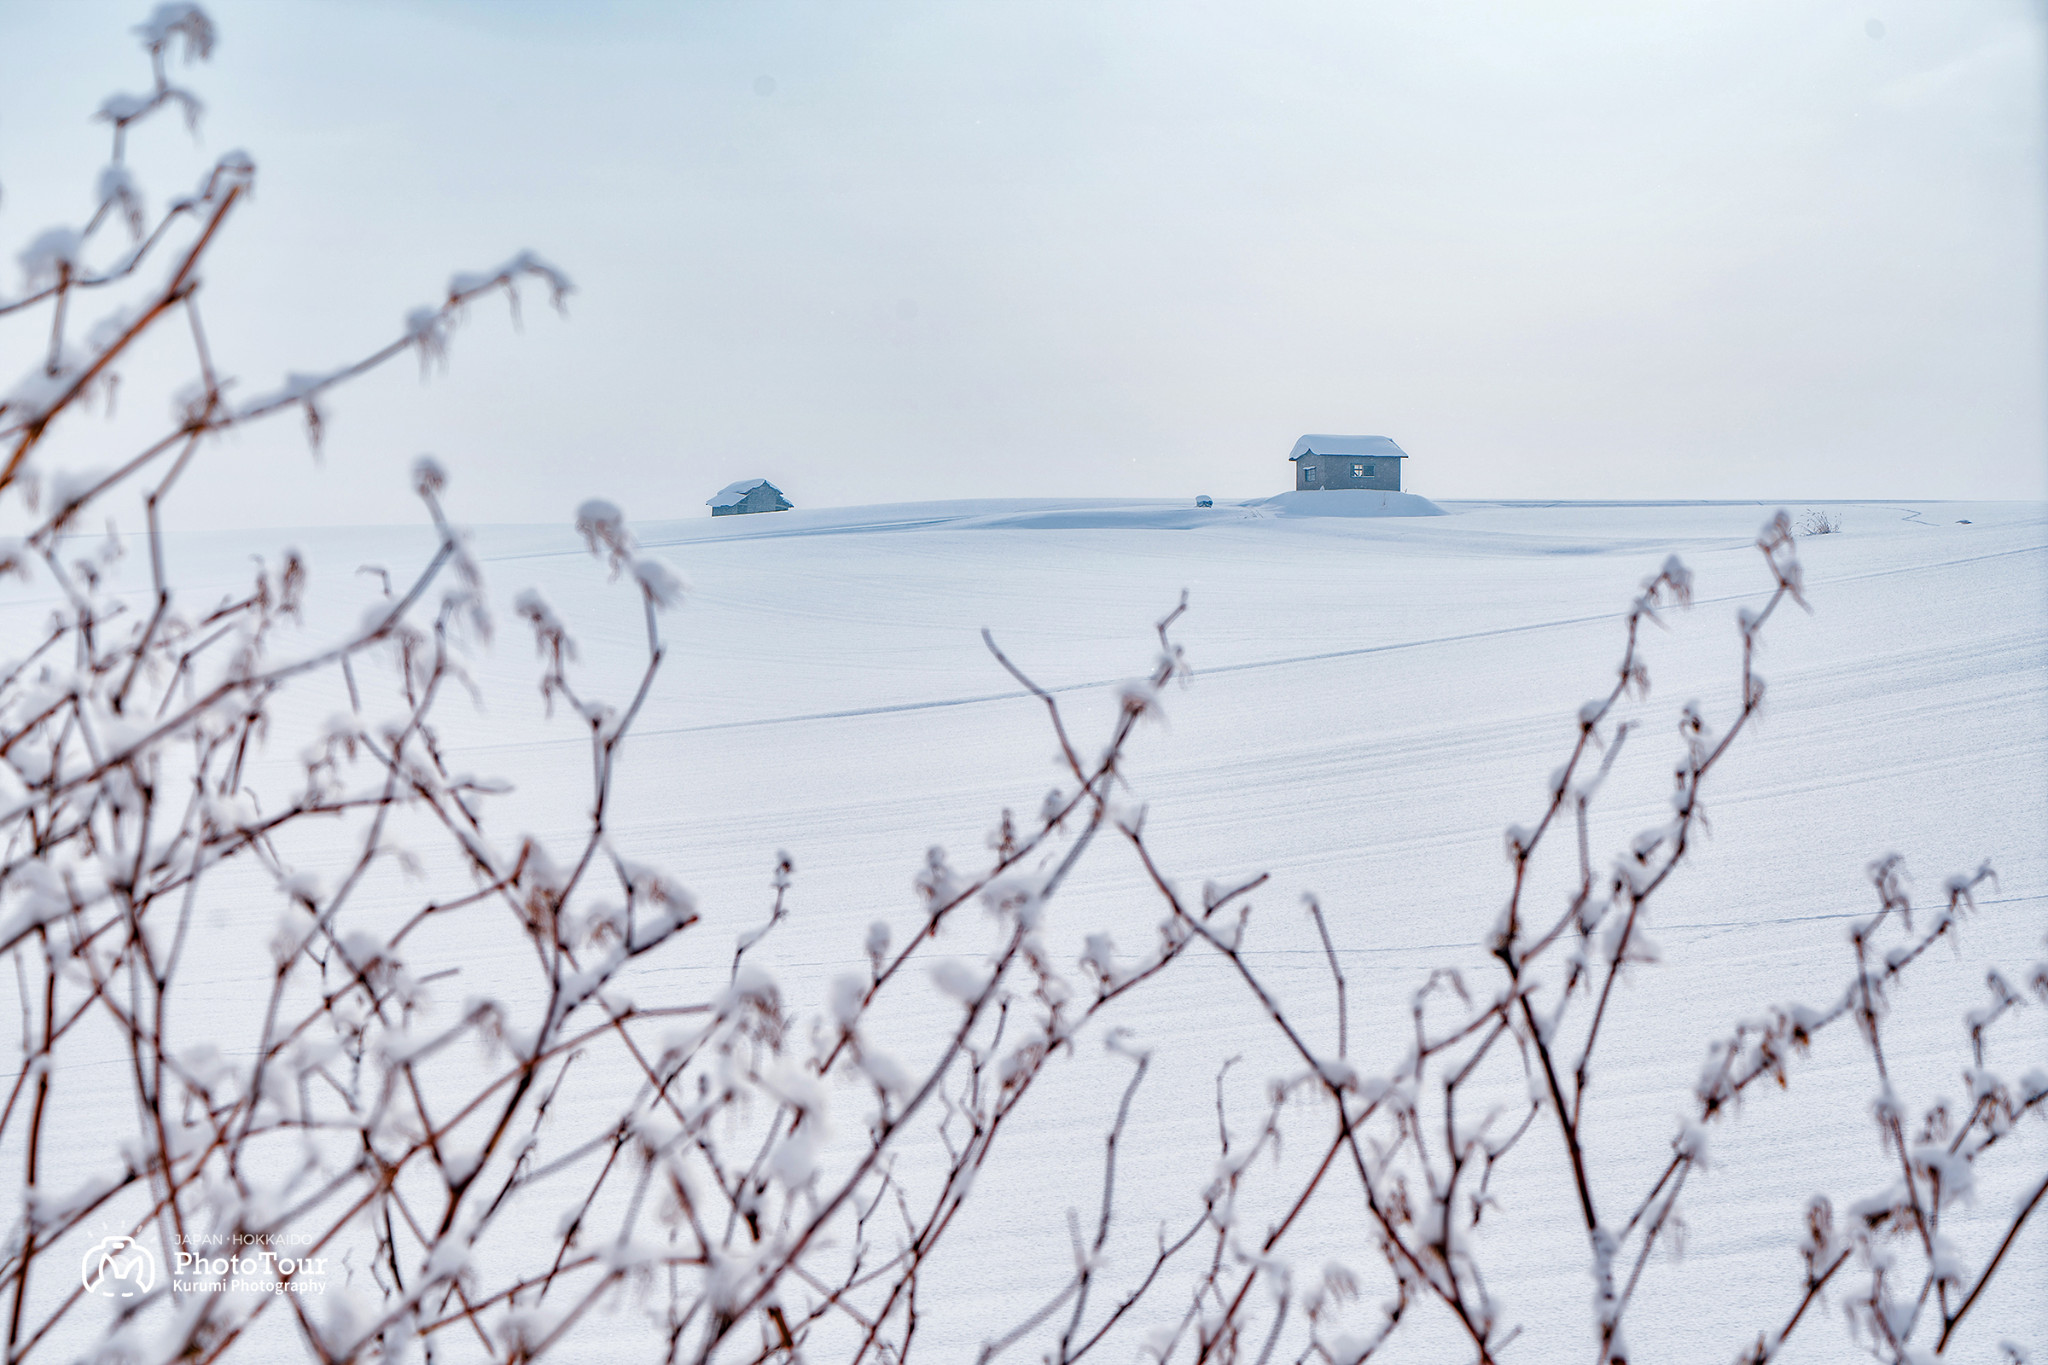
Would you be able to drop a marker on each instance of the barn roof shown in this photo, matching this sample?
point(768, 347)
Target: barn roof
point(1380, 447)
point(733, 492)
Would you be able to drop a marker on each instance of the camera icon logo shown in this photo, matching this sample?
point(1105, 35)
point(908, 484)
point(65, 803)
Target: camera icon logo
point(118, 1268)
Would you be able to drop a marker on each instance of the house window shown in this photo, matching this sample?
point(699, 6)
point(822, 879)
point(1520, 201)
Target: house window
point(1359, 471)
point(1308, 473)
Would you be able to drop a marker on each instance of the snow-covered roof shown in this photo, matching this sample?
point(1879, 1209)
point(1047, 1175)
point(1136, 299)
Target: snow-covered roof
point(1380, 447)
point(733, 492)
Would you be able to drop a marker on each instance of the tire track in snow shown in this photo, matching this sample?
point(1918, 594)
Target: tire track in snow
point(1317, 953)
point(1292, 660)
point(1286, 661)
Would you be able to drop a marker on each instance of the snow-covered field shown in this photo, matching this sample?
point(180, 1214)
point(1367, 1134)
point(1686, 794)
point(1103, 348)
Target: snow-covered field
point(1375, 700)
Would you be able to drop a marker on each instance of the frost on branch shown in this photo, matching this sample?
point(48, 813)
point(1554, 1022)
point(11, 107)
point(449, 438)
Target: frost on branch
point(603, 528)
point(178, 20)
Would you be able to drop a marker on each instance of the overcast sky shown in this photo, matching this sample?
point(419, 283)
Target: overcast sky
point(883, 251)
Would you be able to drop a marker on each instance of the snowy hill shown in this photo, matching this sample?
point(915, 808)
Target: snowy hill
point(1376, 698)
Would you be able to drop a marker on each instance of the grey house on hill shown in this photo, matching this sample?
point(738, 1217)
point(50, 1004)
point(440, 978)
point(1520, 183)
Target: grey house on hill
point(748, 495)
point(1322, 462)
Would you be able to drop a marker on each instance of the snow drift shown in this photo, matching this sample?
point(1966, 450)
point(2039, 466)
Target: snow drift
point(1348, 502)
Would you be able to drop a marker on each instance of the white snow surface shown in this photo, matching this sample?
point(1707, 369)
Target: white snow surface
point(1377, 696)
point(1348, 502)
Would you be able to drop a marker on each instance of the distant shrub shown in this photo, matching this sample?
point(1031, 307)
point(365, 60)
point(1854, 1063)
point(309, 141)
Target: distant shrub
point(1819, 523)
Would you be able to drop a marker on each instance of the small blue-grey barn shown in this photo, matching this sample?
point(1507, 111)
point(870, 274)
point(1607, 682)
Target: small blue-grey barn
point(748, 495)
point(1347, 462)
